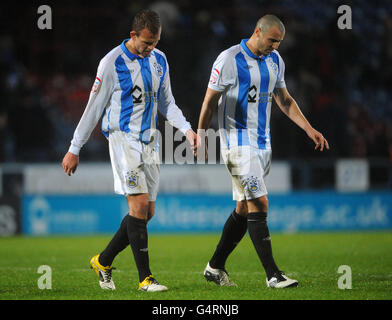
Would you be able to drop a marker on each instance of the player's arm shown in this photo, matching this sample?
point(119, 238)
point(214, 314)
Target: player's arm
point(210, 102)
point(222, 77)
point(207, 108)
point(99, 97)
point(290, 107)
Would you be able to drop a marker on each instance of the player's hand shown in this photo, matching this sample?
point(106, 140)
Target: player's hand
point(70, 163)
point(191, 136)
point(318, 139)
point(201, 146)
point(197, 146)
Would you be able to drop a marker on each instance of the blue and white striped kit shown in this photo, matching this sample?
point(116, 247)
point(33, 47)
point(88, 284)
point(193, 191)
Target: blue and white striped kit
point(247, 83)
point(127, 93)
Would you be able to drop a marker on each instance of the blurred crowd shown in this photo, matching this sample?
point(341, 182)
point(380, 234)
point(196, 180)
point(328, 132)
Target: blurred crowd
point(341, 79)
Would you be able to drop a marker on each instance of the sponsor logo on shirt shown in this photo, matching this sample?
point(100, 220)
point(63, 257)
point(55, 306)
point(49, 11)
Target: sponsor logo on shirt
point(138, 94)
point(264, 97)
point(252, 94)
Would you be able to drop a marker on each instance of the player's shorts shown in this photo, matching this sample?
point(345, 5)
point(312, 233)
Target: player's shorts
point(248, 166)
point(135, 165)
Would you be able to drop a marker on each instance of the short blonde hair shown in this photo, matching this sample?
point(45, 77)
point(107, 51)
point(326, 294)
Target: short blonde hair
point(268, 21)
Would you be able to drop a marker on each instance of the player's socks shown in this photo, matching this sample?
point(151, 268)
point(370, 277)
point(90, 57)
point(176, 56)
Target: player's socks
point(138, 240)
point(260, 236)
point(233, 231)
point(118, 243)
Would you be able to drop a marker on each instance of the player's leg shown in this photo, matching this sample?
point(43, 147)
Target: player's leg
point(259, 233)
point(124, 157)
point(151, 172)
point(255, 192)
point(137, 232)
point(238, 162)
point(120, 240)
point(151, 210)
point(118, 243)
point(136, 219)
point(261, 239)
point(253, 168)
point(141, 210)
point(126, 154)
point(130, 181)
point(132, 232)
point(233, 231)
point(234, 228)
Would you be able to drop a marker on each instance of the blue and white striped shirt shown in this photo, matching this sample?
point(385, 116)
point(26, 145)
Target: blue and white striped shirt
point(127, 93)
point(247, 83)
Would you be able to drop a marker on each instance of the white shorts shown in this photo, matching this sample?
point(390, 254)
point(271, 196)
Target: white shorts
point(135, 165)
point(248, 166)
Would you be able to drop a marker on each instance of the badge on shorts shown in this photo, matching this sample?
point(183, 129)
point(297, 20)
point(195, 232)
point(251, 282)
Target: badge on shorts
point(253, 184)
point(131, 179)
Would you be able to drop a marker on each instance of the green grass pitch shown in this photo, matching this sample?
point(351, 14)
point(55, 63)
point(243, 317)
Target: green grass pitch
point(178, 260)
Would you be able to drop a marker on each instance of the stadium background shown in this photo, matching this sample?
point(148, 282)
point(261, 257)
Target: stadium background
point(340, 78)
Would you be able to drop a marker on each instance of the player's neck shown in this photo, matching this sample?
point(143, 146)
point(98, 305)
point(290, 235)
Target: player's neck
point(251, 44)
point(130, 46)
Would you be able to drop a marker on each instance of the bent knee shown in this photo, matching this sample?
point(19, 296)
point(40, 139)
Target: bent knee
point(242, 208)
point(138, 206)
point(258, 205)
point(150, 213)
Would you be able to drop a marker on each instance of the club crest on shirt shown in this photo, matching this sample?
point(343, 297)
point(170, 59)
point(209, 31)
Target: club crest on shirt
point(158, 69)
point(273, 66)
point(132, 179)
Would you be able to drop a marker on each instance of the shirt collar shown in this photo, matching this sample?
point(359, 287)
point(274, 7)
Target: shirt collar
point(128, 53)
point(250, 53)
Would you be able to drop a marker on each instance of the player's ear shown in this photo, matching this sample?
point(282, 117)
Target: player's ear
point(133, 34)
point(258, 32)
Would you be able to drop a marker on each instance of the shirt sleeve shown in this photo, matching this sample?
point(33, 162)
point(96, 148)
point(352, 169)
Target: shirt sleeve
point(280, 82)
point(222, 73)
point(168, 108)
point(98, 99)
